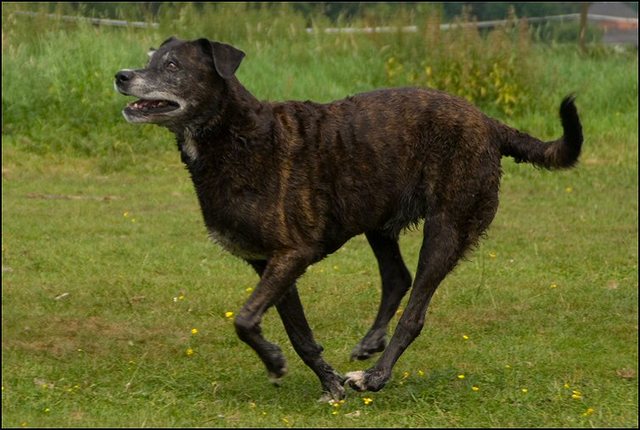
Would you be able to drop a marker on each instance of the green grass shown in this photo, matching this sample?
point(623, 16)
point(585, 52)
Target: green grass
point(107, 267)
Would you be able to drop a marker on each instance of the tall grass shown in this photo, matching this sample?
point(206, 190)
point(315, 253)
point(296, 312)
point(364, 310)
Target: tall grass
point(58, 75)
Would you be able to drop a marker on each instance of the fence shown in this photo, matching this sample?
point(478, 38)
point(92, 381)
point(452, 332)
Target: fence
point(383, 29)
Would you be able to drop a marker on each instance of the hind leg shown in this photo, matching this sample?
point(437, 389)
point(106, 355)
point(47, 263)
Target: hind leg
point(441, 249)
point(396, 280)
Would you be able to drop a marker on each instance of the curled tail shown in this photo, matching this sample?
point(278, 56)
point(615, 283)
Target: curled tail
point(556, 154)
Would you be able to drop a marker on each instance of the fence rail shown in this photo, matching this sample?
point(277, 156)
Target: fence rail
point(382, 29)
point(94, 21)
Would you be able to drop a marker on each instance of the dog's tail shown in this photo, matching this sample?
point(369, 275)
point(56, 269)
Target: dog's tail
point(557, 154)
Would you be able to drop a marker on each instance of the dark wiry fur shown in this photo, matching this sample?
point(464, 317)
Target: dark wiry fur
point(284, 184)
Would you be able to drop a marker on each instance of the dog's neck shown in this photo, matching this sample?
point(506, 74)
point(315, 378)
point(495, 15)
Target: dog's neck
point(237, 113)
point(238, 118)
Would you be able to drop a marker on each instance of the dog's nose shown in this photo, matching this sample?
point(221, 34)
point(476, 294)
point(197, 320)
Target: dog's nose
point(124, 76)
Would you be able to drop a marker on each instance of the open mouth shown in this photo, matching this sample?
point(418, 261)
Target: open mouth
point(147, 107)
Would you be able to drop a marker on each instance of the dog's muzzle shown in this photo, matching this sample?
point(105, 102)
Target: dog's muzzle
point(151, 107)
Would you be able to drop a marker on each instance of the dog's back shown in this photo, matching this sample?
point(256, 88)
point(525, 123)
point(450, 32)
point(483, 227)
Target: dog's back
point(378, 160)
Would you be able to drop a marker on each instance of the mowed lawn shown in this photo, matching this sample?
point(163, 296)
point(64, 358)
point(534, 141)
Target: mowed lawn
point(105, 276)
point(117, 311)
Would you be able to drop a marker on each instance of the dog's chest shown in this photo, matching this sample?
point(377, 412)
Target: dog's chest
point(236, 244)
point(227, 216)
point(189, 148)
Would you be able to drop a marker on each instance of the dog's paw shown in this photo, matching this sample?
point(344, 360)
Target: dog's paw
point(367, 348)
point(337, 394)
point(370, 380)
point(276, 377)
point(356, 380)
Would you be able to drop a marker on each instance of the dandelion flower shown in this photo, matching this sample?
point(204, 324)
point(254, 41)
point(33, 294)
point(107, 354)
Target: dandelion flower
point(367, 400)
point(588, 412)
point(465, 337)
point(461, 376)
point(189, 352)
point(577, 395)
point(194, 331)
point(249, 290)
point(475, 388)
point(228, 314)
point(524, 390)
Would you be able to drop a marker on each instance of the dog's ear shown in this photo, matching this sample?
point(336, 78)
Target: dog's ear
point(226, 58)
point(171, 39)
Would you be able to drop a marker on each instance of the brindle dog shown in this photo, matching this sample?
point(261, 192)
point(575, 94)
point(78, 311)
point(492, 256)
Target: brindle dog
point(284, 184)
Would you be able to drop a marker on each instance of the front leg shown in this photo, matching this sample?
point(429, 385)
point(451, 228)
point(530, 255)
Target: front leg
point(280, 272)
point(295, 323)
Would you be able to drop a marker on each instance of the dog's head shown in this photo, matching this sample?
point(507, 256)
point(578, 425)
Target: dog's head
point(183, 80)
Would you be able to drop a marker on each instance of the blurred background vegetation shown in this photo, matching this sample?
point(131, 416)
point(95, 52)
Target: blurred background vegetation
point(58, 72)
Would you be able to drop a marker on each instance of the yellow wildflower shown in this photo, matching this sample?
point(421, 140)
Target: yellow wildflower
point(194, 331)
point(228, 314)
point(577, 395)
point(588, 412)
point(475, 388)
point(461, 376)
point(465, 337)
point(524, 390)
point(367, 400)
point(421, 373)
point(189, 352)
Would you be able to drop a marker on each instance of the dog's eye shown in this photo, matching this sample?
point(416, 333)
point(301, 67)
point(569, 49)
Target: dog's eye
point(172, 66)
